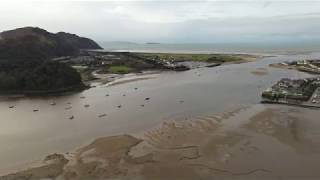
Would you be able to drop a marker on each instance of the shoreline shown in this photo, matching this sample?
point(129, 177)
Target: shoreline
point(62, 91)
point(111, 79)
point(291, 104)
point(286, 66)
point(266, 54)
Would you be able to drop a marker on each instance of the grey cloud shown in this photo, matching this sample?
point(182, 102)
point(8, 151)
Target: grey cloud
point(168, 21)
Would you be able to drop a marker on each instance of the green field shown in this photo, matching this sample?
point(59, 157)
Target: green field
point(120, 69)
point(217, 58)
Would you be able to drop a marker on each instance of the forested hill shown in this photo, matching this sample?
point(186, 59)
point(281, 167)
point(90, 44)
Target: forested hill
point(37, 77)
point(25, 65)
point(35, 43)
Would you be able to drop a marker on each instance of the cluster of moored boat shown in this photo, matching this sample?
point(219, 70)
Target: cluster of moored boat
point(87, 106)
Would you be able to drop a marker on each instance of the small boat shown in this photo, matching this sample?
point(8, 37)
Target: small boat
point(53, 104)
point(35, 110)
point(102, 115)
point(107, 94)
point(135, 88)
point(87, 105)
point(147, 99)
point(67, 108)
point(72, 117)
point(123, 95)
point(213, 65)
point(11, 107)
point(119, 106)
point(142, 105)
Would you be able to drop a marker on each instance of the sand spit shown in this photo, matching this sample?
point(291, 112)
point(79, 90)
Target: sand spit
point(260, 72)
point(117, 79)
point(123, 81)
point(258, 142)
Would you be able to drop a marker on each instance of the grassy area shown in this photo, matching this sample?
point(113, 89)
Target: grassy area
point(224, 58)
point(218, 58)
point(120, 69)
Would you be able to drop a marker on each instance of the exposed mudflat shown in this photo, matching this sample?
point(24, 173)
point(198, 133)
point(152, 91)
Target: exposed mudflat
point(260, 72)
point(248, 142)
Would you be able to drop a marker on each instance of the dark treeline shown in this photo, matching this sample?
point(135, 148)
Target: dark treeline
point(27, 48)
point(37, 75)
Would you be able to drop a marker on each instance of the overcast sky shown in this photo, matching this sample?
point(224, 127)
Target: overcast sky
point(196, 21)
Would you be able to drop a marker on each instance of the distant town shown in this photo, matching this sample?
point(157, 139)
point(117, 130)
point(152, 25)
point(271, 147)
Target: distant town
point(301, 92)
point(309, 66)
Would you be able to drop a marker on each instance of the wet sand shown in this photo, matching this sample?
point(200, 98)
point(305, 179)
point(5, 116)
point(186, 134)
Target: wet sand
point(115, 79)
point(125, 80)
point(260, 72)
point(245, 142)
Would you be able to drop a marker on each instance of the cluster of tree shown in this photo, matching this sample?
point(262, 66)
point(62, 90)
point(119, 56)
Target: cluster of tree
point(36, 75)
point(27, 47)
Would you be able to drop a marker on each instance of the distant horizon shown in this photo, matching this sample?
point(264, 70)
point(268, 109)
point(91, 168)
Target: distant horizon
point(224, 21)
point(293, 43)
point(270, 42)
point(212, 43)
point(250, 48)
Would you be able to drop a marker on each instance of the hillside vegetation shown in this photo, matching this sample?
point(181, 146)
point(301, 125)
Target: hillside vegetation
point(25, 64)
point(209, 58)
point(37, 76)
point(35, 43)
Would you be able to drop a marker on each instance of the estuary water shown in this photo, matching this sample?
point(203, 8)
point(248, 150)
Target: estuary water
point(33, 127)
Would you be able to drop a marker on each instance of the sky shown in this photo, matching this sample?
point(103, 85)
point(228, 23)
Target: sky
point(171, 21)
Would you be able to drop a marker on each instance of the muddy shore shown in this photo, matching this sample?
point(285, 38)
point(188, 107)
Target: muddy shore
point(260, 72)
point(245, 142)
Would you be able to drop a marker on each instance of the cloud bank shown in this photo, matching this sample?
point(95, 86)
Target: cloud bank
point(218, 21)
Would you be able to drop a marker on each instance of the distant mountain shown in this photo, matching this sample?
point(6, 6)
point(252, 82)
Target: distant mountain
point(35, 43)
